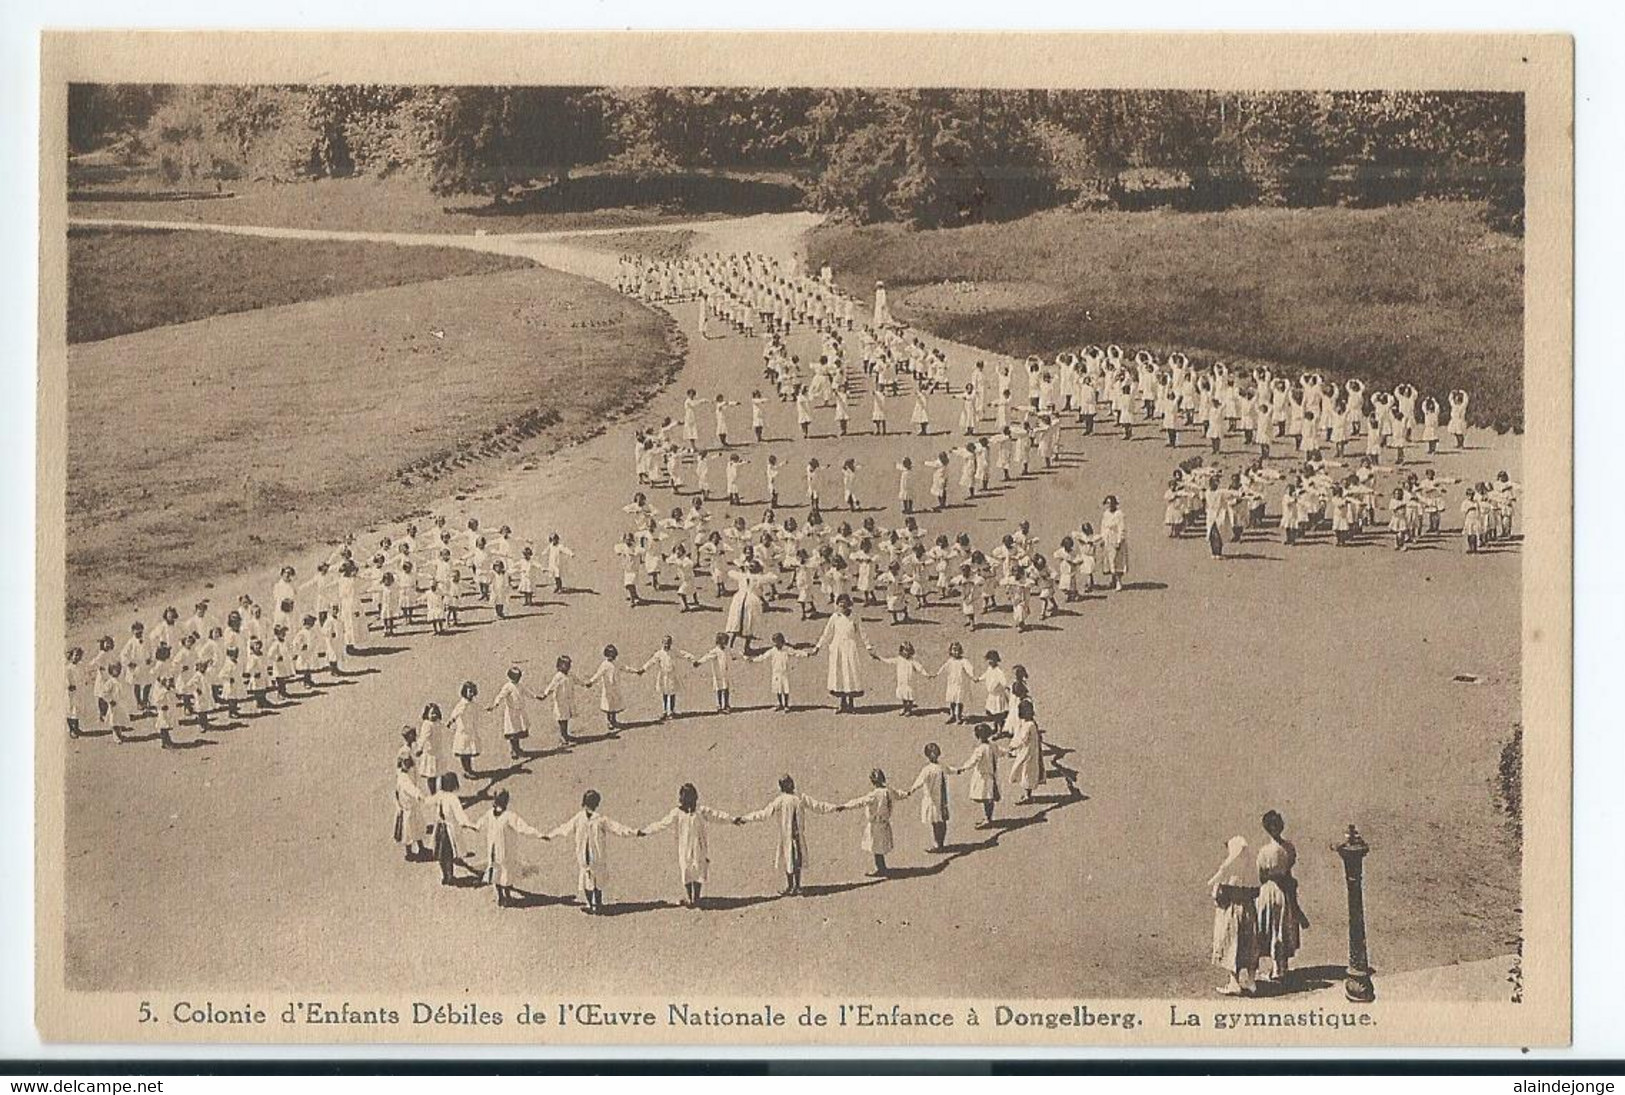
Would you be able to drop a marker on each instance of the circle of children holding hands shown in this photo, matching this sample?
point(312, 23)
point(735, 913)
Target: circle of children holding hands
point(432, 823)
point(209, 671)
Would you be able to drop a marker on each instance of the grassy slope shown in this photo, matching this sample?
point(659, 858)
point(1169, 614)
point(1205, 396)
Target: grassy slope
point(123, 280)
point(339, 412)
point(1422, 292)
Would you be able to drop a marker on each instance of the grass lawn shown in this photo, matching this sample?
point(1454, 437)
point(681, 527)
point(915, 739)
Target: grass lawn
point(199, 450)
point(405, 204)
point(129, 279)
point(1424, 292)
point(663, 244)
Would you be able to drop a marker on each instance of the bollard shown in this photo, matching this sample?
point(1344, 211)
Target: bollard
point(1357, 986)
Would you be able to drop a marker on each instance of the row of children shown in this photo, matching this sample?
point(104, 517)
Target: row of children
point(749, 291)
point(457, 741)
point(432, 823)
point(200, 667)
point(1312, 411)
point(1175, 395)
point(1018, 449)
point(196, 670)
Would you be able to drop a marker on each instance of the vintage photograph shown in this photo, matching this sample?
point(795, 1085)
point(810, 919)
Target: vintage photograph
point(1057, 554)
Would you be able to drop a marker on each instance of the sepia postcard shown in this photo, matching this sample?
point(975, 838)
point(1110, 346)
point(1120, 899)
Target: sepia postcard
point(995, 541)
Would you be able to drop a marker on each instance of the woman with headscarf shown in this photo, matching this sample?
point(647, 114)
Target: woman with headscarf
point(843, 638)
point(1280, 918)
point(1234, 887)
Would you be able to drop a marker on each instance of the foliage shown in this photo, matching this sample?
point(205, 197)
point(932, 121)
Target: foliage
point(102, 113)
point(357, 129)
point(220, 133)
point(688, 128)
point(495, 140)
point(928, 157)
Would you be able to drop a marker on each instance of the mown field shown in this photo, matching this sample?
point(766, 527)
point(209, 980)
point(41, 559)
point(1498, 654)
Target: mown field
point(131, 279)
point(406, 205)
point(202, 449)
point(1424, 293)
point(664, 244)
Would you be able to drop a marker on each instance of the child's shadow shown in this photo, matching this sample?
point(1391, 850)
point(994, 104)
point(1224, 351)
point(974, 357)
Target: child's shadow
point(522, 899)
point(723, 904)
point(627, 908)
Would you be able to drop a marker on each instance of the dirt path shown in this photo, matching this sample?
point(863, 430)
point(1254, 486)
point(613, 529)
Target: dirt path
point(1315, 681)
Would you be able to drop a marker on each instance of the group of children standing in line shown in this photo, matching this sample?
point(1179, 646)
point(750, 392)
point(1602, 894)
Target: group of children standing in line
point(202, 668)
point(567, 693)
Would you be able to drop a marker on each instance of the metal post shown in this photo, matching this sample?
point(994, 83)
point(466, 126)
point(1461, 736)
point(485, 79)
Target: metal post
point(1357, 986)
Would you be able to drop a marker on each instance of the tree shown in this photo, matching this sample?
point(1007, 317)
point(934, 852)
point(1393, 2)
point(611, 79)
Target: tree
point(929, 157)
point(356, 129)
point(99, 113)
point(493, 140)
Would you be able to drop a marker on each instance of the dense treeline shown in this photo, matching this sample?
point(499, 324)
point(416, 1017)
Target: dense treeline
point(928, 157)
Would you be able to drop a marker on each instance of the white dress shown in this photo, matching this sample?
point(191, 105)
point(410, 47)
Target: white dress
point(693, 851)
point(789, 809)
point(1026, 756)
point(562, 689)
point(1114, 541)
point(933, 780)
point(745, 609)
point(665, 667)
point(515, 719)
point(998, 690)
point(983, 767)
point(411, 809)
point(906, 668)
point(842, 638)
point(958, 671)
point(877, 807)
point(464, 724)
point(434, 741)
point(608, 679)
point(588, 830)
point(501, 832)
point(778, 660)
